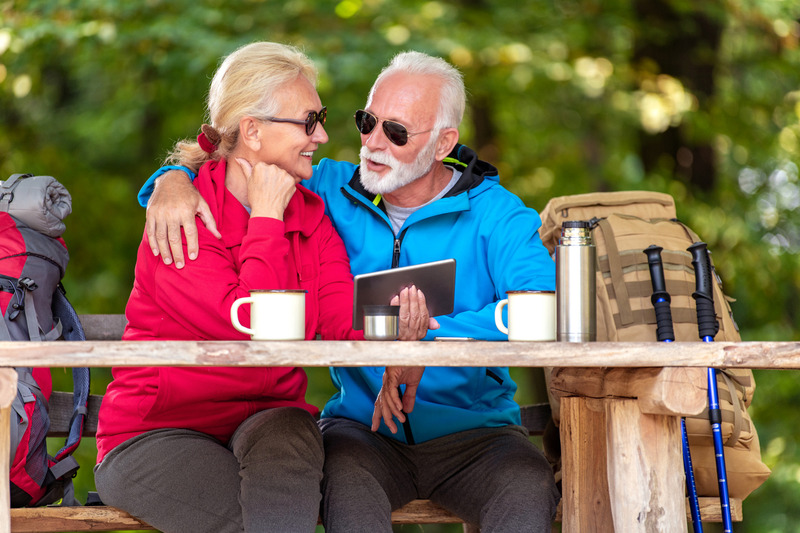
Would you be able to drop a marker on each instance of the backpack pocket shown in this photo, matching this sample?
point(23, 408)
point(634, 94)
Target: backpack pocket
point(29, 460)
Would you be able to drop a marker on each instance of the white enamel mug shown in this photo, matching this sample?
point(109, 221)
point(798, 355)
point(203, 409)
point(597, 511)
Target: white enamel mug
point(275, 315)
point(531, 315)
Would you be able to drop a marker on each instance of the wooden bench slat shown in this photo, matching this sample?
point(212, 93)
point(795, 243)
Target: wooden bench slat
point(103, 327)
point(534, 416)
point(101, 518)
point(61, 411)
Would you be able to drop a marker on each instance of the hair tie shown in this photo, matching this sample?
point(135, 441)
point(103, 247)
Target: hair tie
point(208, 139)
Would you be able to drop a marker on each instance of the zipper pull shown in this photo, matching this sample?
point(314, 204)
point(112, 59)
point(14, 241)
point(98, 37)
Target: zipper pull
point(396, 253)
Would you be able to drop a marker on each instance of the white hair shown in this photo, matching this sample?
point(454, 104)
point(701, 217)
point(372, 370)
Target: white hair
point(453, 95)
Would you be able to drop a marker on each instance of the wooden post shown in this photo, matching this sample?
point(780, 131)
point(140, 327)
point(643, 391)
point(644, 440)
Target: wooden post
point(645, 469)
point(8, 391)
point(585, 500)
point(622, 470)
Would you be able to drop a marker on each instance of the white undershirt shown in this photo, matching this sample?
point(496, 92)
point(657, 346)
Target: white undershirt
point(398, 215)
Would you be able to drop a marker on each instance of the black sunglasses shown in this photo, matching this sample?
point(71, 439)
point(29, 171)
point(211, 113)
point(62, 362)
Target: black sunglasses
point(395, 132)
point(310, 121)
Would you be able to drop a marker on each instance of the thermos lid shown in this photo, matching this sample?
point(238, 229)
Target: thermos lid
point(575, 224)
point(381, 310)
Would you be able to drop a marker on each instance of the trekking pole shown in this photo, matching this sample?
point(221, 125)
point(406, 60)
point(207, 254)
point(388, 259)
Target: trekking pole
point(707, 326)
point(664, 332)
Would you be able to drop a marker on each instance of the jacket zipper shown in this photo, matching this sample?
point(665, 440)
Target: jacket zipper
point(395, 262)
point(396, 252)
point(398, 240)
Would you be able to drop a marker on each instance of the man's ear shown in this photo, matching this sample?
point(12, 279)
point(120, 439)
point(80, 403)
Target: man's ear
point(250, 133)
point(448, 138)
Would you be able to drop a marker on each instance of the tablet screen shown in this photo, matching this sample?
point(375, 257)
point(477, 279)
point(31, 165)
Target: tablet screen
point(437, 280)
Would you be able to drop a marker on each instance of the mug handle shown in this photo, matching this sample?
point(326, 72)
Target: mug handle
point(498, 315)
point(235, 315)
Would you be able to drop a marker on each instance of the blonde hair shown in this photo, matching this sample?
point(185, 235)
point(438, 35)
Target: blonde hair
point(243, 85)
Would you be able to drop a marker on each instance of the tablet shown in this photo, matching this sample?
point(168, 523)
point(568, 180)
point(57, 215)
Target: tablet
point(437, 280)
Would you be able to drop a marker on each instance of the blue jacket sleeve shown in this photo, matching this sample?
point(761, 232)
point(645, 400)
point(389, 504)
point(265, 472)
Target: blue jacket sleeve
point(516, 259)
point(147, 189)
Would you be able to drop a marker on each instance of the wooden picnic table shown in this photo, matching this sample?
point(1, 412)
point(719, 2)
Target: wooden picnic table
point(623, 398)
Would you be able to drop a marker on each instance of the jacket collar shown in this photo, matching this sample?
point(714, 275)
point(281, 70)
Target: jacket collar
point(303, 214)
point(473, 173)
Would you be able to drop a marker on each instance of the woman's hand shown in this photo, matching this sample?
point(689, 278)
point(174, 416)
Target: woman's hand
point(269, 189)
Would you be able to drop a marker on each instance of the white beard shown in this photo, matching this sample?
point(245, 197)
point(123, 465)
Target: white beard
point(399, 174)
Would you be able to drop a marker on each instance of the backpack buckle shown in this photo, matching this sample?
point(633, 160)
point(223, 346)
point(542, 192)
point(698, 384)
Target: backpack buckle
point(593, 222)
point(27, 283)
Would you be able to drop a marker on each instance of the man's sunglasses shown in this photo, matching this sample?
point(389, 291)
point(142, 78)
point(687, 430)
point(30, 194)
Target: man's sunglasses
point(395, 132)
point(310, 121)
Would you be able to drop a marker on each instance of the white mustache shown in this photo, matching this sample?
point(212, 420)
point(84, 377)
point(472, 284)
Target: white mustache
point(381, 158)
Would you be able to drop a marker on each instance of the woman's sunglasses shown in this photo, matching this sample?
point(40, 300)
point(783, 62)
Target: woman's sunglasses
point(310, 121)
point(395, 132)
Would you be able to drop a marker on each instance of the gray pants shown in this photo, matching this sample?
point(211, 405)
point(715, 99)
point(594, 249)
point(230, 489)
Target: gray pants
point(491, 477)
point(179, 480)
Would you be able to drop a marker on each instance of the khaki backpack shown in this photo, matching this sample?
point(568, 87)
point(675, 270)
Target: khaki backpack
point(623, 225)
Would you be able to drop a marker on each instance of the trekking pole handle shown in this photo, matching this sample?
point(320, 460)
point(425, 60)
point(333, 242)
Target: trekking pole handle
point(704, 296)
point(708, 326)
point(660, 297)
point(665, 333)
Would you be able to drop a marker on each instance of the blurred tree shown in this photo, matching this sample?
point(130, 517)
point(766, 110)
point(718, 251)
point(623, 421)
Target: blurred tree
point(699, 100)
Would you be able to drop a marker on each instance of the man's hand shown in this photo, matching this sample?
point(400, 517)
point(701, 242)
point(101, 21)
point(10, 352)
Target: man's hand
point(414, 325)
point(414, 319)
point(172, 206)
point(388, 403)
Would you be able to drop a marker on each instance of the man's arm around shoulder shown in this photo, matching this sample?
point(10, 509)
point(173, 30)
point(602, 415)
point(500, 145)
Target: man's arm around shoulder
point(173, 204)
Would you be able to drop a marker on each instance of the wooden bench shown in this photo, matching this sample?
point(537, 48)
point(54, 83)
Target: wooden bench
point(109, 327)
point(104, 518)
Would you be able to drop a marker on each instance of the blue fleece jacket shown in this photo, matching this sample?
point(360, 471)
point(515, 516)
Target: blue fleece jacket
point(495, 241)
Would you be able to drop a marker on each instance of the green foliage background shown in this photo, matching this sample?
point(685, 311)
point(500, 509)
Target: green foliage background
point(697, 99)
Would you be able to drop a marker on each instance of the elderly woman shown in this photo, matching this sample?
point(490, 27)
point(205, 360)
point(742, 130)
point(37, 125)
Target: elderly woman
point(232, 449)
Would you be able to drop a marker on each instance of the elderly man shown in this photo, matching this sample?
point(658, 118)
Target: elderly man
point(416, 197)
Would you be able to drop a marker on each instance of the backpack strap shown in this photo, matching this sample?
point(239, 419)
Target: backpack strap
point(65, 466)
point(736, 403)
point(35, 330)
point(7, 190)
point(5, 335)
point(81, 379)
point(71, 327)
point(61, 488)
point(27, 391)
point(615, 266)
point(80, 401)
point(7, 284)
point(68, 497)
point(73, 331)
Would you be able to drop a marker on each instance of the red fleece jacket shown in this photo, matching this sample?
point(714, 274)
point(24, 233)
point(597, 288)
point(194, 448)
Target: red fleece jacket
point(301, 252)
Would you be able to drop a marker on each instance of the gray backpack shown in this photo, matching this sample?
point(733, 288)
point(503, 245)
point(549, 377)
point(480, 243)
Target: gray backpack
point(34, 307)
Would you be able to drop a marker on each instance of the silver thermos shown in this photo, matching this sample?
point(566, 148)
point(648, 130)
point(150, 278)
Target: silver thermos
point(576, 307)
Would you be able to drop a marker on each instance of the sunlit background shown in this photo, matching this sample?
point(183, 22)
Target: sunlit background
point(700, 100)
